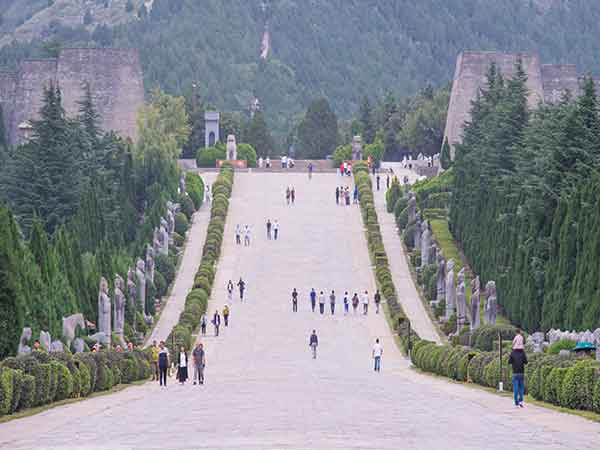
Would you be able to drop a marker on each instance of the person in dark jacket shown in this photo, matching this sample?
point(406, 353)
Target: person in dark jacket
point(517, 360)
point(182, 365)
point(313, 343)
point(163, 363)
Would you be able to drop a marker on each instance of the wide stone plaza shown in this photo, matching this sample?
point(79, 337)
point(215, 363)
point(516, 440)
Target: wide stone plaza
point(264, 391)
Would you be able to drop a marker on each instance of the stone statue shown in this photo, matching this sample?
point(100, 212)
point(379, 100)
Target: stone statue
point(450, 290)
point(104, 309)
point(141, 284)
point(231, 148)
point(432, 251)
point(45, 340)
point(156, 240)
point(182, 187)
point(441, 278)
point(119, 299)
point(412, 209)
point(417, 233)
point(150, 263)
point(170, 222)
point(70, 325)
point(24, 347)
point(491, 303)
point(78, 345)
point(475, 294)
point(461, 301)
point(131, 288)
point(357, 148)
point(164, 239)
point(425, 244)
point(56, 346)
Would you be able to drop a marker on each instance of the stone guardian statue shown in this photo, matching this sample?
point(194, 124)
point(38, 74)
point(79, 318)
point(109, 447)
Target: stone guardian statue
point(450, 290)
point(104, 310)
point(119, 314)
point(231, 148)
point(475, 299)
point(461, 301)
point(491, 305)
point(441, 278)
point(425, 244)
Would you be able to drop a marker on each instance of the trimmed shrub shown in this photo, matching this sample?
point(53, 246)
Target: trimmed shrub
point(166, 267)
point(181, 223)
point(462, 368)
point(181, 335)
point(478, 364)
point(401, 205)
point(160, 284)
point(6, 390)
point(104, 381)
point(194, 185)
point(553, 385)
point(393, 194)
point(27, 391)
point(248, 153)
point(87, 361)
point(402, 218)
point(563, 344)
point(43, 375)
point(596, 396)
point(64, 381)
point(178, 240)
point(484, 337)
point(207, 157)
point(187, 206)
point(578, 386)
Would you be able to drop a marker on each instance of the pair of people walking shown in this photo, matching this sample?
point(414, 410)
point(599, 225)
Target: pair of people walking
point(245, 232)
point(272, 229)
point(290, 195)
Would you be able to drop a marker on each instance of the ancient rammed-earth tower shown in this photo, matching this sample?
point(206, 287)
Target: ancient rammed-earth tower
point(546, 84)
point(114, 75)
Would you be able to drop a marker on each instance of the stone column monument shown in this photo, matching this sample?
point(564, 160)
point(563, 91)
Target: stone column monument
point(475, 294)
point(211, 127)
point(231, 148)
point(104, 310)
point(450, 290)
point(357, 149)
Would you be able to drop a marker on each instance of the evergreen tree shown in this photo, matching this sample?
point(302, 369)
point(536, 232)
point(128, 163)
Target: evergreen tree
point(445, 156)
point(318, 131)
point(259, 136)
point(366, 119)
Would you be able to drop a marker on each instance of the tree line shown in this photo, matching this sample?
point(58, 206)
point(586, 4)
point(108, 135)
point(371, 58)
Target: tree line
point(525, 202)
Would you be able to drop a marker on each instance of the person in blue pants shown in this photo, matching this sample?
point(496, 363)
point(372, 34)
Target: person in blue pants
point(517, 360)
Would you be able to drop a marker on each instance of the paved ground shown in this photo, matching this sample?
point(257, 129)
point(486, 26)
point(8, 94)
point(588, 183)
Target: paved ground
point(407, 292)
point(264, 391)
point(187, 271)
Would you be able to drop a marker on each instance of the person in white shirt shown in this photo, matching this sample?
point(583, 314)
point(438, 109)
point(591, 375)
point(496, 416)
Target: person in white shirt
point(247, 236)
point(377, 352)
point(365, 302)
point(322, 303)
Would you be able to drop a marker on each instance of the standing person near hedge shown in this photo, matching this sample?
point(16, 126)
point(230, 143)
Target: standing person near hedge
point(182, 365)
point(163, 363)
point(242, 286)
point(377, 353)
point(154, 360)
point(313, 299)
point(377, 298)
point(203, 324)
point(199, 359)
point(322, 303)
point(216, 322)
point(230, 290)
point(294, 300)
point(226, 315)
point(517, 360)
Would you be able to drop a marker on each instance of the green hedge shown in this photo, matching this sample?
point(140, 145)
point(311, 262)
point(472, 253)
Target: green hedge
point(196, 302)
point(484, 337)
point(194, 185)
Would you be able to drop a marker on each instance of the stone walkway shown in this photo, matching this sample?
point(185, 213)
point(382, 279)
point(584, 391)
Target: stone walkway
point(184, 279)
point(407, 292)
point(263, 390)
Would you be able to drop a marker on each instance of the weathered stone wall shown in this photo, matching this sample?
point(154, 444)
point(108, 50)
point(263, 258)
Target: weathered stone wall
point(470, 77)
point(557, 79)
point(114, 75)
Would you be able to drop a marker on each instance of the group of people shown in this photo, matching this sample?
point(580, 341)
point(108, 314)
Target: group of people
point(161, 363)
point(216, 320)
point(290, 195)
point(376, 353)
point(246, 232)
point(342, 195)
point(272, 229)
point(346, 168)
point(347, 301)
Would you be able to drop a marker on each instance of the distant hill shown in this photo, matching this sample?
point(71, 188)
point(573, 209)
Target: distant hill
point(342, 49)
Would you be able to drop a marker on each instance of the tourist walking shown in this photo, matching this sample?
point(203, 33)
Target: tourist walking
point(332, 302)
point(163, 363)
point(347, 194)
point(182, 365)
point(154, 349)
point(365, 302)
point(230, 290)
point(313, 343)
point(355, 194)
point(355, 302)
point(387, 181)
point(247, 236)
point(226, 315)
point(377, 353)
point(269, 229)
point(293, 195)
point(203, 324)
point(346, 303)
point(313, 299)
point(377, 298)
point(199, 359)
point(275, 230)
point(377, 181)
point(242, 287)
point(216, 321)
point(517, 360)
point(337, 195)
point(288, 194)
point(238, 234)
point(310, 170)
point(294, 300)
point(322, 303)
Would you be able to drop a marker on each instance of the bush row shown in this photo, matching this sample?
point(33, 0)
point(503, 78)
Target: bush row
point(375, 241)
point(196, 301)
point(564, 381)
point(42, 378)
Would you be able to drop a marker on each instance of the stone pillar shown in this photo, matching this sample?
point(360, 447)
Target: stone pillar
point(211, 127)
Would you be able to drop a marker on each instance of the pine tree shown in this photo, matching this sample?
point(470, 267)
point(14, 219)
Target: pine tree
point(367, 120)
point(445, 156)
point(318, 131)
point(259, 136)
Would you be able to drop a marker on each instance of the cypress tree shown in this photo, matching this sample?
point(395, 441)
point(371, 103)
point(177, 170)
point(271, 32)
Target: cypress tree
point(445, 158)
